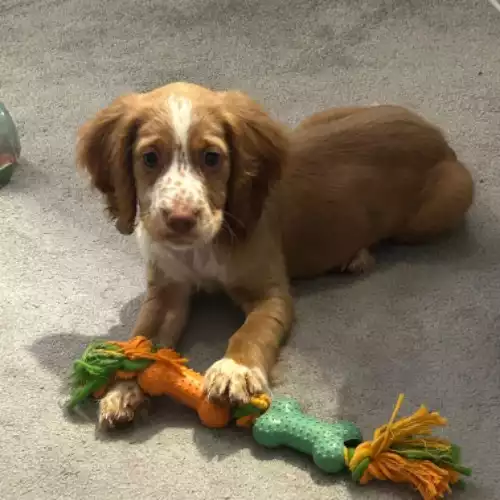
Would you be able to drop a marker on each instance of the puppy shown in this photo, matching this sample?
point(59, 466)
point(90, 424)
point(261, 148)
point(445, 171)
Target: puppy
point(219, 194)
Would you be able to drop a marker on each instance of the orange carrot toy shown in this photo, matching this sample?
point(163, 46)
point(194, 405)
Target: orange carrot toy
point(159, 371)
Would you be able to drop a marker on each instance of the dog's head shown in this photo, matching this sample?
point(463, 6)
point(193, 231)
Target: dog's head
point(194, 162)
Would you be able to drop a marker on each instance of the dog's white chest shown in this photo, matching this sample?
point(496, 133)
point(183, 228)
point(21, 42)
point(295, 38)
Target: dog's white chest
point(198, 266)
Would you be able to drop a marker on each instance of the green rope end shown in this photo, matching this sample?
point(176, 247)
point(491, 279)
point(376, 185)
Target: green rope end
point(448, 457)
point(358, 472)
point(96, 368)
point(246, 410)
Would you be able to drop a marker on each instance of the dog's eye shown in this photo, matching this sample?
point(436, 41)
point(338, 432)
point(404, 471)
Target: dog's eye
point(150, 159)
point(211, 158)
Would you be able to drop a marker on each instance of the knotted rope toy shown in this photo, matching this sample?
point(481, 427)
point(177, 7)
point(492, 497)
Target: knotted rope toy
point(402, 451)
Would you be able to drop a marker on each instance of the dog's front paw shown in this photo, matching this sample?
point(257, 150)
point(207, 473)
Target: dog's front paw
point(118, 406)
point(227, 380)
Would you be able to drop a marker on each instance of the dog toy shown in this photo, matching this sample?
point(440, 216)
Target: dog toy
point(402, 451)
point(158, 372)
point(10, 147)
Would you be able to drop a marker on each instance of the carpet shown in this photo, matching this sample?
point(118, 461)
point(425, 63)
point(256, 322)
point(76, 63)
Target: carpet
point(425, 322)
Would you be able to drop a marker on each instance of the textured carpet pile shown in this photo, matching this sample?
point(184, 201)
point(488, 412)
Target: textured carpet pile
point(425, 322)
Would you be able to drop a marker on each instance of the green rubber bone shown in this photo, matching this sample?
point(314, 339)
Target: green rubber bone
point(284, 424)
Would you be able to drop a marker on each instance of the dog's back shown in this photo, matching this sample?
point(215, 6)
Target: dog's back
point(360, 175)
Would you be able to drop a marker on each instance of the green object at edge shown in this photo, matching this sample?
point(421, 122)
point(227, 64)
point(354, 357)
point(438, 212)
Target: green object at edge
point(10, 146)
point(284, 424)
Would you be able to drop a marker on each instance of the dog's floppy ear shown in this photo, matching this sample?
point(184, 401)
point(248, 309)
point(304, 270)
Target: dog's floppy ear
point(104, 150)
point(258, 149)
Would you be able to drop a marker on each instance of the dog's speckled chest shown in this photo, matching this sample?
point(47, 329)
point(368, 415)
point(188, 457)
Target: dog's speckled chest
point(198, 266)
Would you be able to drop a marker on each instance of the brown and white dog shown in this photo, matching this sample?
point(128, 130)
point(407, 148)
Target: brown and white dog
point(218, 193)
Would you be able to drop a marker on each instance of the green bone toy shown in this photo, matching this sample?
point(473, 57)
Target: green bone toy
point(402, 451)
point(284, 424)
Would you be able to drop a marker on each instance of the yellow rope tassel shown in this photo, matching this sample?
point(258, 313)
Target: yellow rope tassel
point(430, 480)
point(376, 460)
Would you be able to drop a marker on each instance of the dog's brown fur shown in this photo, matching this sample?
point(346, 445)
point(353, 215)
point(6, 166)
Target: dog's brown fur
point(382, 172)
point(297, 204)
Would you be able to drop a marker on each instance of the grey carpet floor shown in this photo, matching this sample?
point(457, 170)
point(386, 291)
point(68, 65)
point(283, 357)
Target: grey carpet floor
point(426, 322)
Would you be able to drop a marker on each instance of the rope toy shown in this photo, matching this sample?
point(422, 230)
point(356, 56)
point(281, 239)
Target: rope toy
point(402, 451)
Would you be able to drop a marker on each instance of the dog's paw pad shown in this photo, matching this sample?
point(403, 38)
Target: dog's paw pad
point(118, 406)
point(227, 380)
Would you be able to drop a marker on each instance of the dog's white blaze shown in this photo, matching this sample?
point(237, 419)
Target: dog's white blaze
point(181, 110)
point(180, 183)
